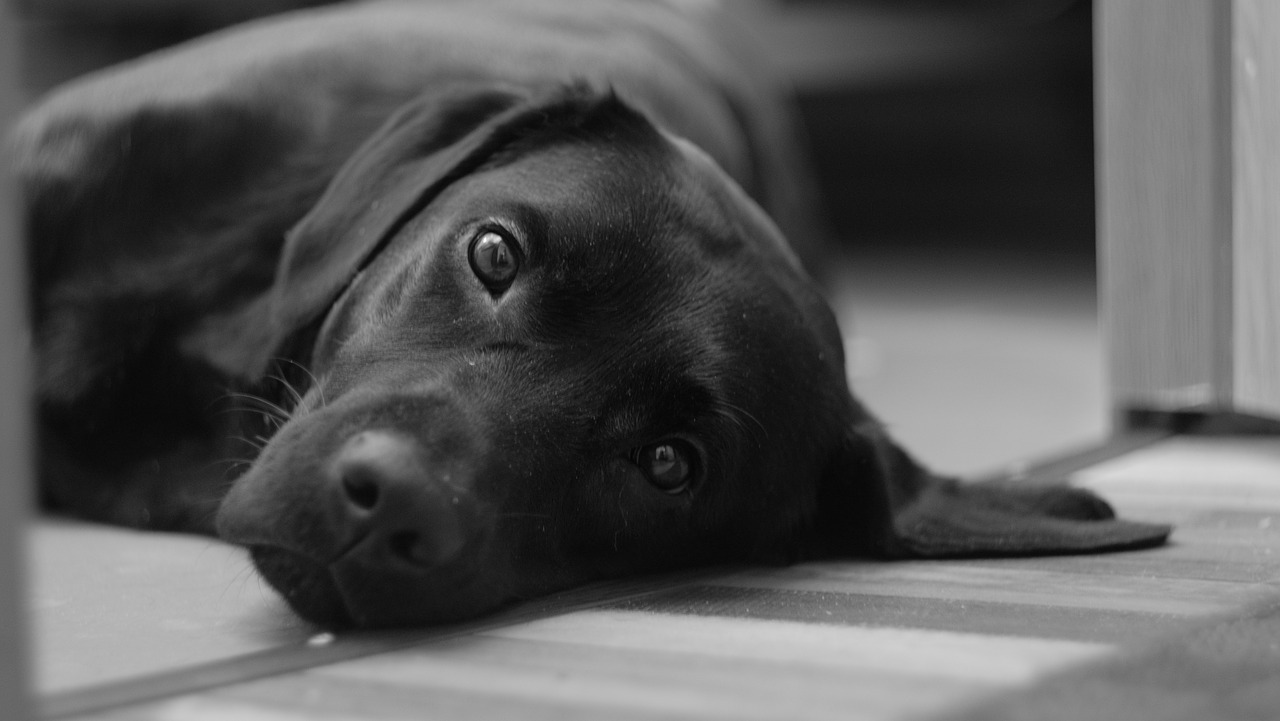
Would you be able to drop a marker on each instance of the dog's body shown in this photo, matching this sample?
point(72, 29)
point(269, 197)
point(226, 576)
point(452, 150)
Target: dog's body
point(513, 259)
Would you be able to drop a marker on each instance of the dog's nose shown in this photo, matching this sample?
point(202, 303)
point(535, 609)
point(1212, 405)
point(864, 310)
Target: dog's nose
point(395, 503)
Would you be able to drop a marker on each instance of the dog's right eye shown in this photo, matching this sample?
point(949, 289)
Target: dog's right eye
point(669, 465)
point(495, 259)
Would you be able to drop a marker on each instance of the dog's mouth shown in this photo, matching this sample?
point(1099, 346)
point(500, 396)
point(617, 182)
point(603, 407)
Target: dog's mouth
point(306, 585)
point(346, 593)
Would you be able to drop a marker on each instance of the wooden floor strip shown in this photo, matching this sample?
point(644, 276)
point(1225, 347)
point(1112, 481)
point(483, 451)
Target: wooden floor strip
point(611, 664)
point(298, 657)
point(617, 679)
point(958, 582)
point(1228, 668)
point(1064, 465)
point(1236, 564)
point(1193, 473)
point(491, 695)
point(831, 640)
point(935, 614)
point(933, 654)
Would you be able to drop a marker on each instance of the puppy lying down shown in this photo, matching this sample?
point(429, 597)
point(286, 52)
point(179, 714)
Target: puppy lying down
point(438, 306)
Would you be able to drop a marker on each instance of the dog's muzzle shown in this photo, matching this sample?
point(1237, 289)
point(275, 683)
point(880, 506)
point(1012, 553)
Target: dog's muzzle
point(397, 512)
point(376, 527)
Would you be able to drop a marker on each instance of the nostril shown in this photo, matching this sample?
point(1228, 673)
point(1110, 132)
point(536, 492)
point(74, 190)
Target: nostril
point(361, 489)
point(375, 468)
point(395, 506)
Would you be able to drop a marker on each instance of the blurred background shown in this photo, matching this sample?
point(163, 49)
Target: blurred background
point(952, 141)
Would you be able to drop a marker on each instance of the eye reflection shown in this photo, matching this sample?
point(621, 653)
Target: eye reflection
point(668, 465)
point(495, 259)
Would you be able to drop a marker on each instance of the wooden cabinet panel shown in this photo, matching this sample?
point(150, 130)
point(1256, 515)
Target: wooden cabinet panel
point(1188, 177)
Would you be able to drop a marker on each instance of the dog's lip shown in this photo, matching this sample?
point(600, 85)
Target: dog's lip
point(348, 548)
point(290, 573)
point(328, 591)
point(463, 567)
point(327, 594)
point(446, 589)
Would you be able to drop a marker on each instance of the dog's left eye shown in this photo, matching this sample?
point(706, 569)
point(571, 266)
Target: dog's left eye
point(495, 259)
point(669, 465)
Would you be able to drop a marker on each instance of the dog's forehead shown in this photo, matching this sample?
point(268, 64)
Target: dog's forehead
point(656, 205)
point(642, 248)
point(709, 192)
point(659, 239)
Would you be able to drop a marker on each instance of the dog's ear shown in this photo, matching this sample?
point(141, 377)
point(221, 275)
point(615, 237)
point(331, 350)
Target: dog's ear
point(877, 500)
point(424, 146)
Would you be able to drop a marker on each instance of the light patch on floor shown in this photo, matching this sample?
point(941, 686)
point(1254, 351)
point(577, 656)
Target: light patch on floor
point(974, 363)
point(112, 604)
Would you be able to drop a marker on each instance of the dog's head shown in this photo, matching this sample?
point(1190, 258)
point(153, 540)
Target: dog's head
point(553, 344)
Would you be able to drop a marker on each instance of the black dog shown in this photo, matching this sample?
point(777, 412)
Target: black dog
point(539, 333)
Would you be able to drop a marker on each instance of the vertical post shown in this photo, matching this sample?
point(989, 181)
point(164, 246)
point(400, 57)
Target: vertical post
point(15, 439)
point(1164, 200)
point(1256, 181)
point(1188, 176)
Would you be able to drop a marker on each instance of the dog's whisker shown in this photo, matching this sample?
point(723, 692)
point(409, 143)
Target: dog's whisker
point(288, 387)
point(235, 409)
point(256, 445)
point(262, 404)
point(240, 579)
point(315, 382)
point(229, 464)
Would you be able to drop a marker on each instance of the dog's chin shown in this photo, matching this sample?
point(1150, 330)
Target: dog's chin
point(342, 595)
point(307, 586)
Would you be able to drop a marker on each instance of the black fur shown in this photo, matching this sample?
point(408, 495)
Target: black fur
point(277, 276)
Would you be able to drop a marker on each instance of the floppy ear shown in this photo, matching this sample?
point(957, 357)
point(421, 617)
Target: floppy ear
point(876, 500)
point(423, 147)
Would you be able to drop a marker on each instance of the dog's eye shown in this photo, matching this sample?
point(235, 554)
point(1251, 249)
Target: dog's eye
point(668, 465)
point(495, 258)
